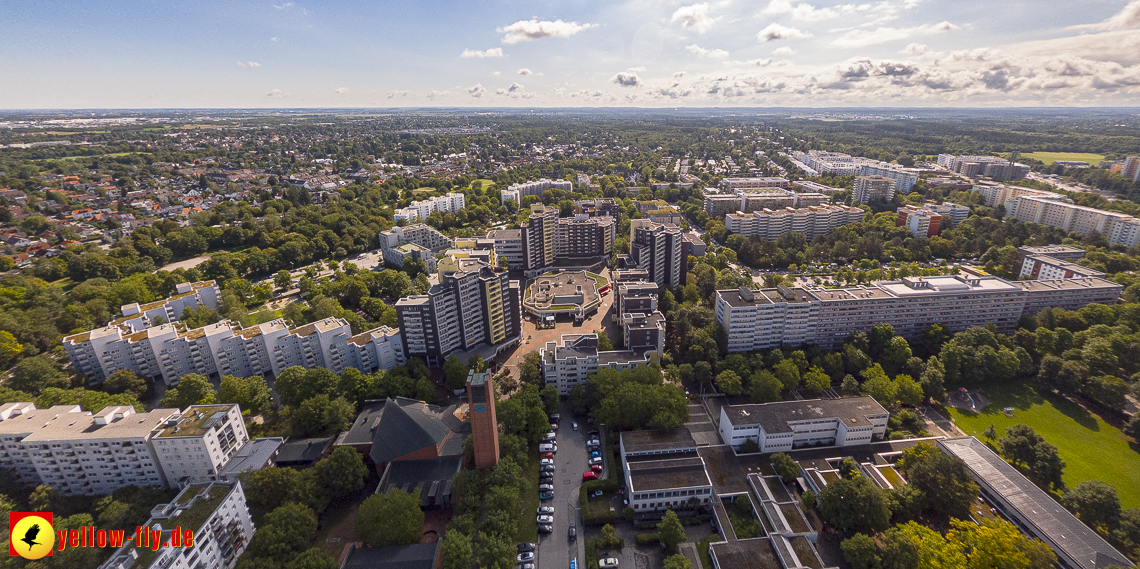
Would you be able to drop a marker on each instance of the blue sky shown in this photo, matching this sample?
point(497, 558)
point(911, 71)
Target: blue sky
point(126, 54)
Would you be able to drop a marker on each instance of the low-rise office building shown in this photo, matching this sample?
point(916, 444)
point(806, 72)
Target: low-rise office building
point(218, 515)
point(663, 470)
point(787, 425)
point(1034, 512)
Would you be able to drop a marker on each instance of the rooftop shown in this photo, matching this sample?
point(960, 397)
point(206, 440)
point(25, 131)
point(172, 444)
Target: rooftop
point(68, 422)
point(746, 554)
point(302, 451)
point(652, 475)
point(774, 417)
point(197, 420)
point(1060, 529)
point(252, 456)
point(660, 439)
point(418, 556)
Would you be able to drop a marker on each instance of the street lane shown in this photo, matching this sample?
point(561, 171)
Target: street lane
point(555, 550)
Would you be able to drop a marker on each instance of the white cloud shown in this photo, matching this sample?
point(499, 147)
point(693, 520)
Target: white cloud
point(524, 71)
point(1129, 17)
point(476, 90)
point(533, 29)
point(493, 52)
point(277, 94)
point(515, 87)
point(804, 11)
point(496, 73)
point(284, 6)
point(394, 94)
point(781, 51)
point(678, 74)
point(704, 52)
point(626, 79)
point(434, 94)
point(863, 38)
point(695, 17)
point(274, 39)
point(340, 90)
point(915, 48)
point(248, 64)
point(780, 32)
point(762, 62)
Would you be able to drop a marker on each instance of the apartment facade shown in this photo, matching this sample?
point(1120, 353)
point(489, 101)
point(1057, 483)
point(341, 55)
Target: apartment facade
point(873, 189)
point(846, 165)
point(1118, 228)
point(734, 184)
point(516, 192)
point(998, 195)
point(1045, 268)
point(224, 348)
point(926, 220)
point(584, 236)
point(575, 357)
point(224, 529)
point(993, 166)
point(787, 425)
point(811, 221)
point(538, 236)
point(418, 241)
point(786, 316)
point(186, 295)
point(193, 446)
point(660, 250)
point(420, 210)
point(508, 244)
point(597, 207)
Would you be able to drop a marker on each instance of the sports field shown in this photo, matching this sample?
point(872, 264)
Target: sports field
point(1050, 157)
point(1091, 448)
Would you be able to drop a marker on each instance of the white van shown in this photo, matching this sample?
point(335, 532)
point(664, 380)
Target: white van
point(547, 447)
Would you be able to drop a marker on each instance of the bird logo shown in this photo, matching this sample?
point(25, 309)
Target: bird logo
point(31, 535)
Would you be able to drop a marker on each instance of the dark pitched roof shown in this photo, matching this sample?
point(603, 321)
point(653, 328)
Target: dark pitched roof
point(302, 451)
point(418, 556)
point(406, 425)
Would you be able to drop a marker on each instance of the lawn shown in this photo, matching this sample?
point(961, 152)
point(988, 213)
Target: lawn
point(703, 551)
point(1050, 157)
point(528, 505)
point(1091, 448)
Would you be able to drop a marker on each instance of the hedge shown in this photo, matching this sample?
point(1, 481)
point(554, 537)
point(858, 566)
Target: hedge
point(651, 538)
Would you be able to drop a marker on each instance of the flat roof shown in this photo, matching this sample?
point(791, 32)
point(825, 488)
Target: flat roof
point(67, 422)
point(650, 475)
point(746, 554)
point(659, 439)
point(774, 417)
point(253, 455)
point(1049, 519)
point(1068, 284)
point(197, 420)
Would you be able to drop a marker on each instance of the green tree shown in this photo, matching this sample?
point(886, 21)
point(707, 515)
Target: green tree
point(997, 544)
point(850, 385)
point(861, 552)
point(9, 347)
point(283, 280)
point(671, 532)
point(933, 380)
point(677, 562)
point(1037, 459)
point(549, 395)
point(530, 370)
point(816, 380)
point(457, 552)
point(785, 466)
point(285, 533)
point(394, 518)
point(455, 373)
point(604, 344)
point(270, 488)
point(944, 479)
point(908, 391)
point(341, 474)
point(880, 387)
point(855, 505)
point(250, 393)
point(125, 381)
point(33, 375)
point(788, 373)
point(1095, 503)
point(728, 382)
point(765, 387)
point(192, 389)
point(312, 559)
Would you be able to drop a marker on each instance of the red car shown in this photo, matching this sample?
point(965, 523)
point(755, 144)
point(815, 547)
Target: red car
point(597, 468)
point(547, 455)
point(591, 475)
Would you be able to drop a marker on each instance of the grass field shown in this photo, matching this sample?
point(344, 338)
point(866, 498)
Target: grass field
point(1091, 448)
point(1050, 157)
point(528, 524)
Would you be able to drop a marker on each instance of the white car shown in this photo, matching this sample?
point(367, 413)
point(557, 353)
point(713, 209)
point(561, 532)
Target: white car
point(545, 519)
point(546, 510)
point(526, 557)
point(608, 562)
point(549, 461)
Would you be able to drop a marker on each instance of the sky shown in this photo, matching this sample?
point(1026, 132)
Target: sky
point(636, 53)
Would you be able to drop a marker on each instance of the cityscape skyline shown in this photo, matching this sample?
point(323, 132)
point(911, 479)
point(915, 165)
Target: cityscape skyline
point(889, 53)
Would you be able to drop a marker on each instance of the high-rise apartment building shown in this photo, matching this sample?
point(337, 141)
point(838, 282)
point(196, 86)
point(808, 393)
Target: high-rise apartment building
point(516, 192)
point(999, 195)
point(786, 316)
point(584, 236)
point(420, 210)
point(992, 166)
point(660, 250)
point(418, 242)
point(927, 219)
point(1046, 268)
point(575, 357)
point(469, 307)
point(1131, 169)
point(193, 446)
point(538, 233)
point(811, 221)
point(873, 189)
point(218, 515)
point(733, 184)
point(508, 244)
point(846, 165)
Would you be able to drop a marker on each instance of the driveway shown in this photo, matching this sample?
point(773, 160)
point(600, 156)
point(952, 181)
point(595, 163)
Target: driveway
point(554, 549)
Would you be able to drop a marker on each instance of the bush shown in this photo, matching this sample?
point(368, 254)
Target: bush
point(650, 538)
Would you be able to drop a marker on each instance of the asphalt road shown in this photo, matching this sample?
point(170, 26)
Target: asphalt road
point(555, 550)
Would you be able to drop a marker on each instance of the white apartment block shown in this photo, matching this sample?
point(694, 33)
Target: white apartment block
point(575, 357)
point(873, 189)
point(418, 210)
point(1118, 228)
point(992, 166)
point(847, 165)
point(763, 319)
point(194, 446)
point(787, 425)
point(816, 187)
point(508, 244)
point(186, 295)
point(811, 221)
point(417, 241)
point(1045, 268)
point(216, 512)
point(733, 184)
point(904, 178)
point(749, 201)
point(994, 196)
point(76, 452)
point(1131, 168)
point(584, 236)
point(224, 348)
point(516, 192)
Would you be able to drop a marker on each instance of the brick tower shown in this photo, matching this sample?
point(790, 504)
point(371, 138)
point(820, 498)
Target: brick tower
point(484, 427)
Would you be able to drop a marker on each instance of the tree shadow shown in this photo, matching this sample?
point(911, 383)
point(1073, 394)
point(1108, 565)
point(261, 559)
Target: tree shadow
point(1082, 416)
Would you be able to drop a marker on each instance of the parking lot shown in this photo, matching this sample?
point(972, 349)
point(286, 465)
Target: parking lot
point(555, 549)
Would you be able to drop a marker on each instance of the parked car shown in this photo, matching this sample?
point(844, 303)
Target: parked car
point(597, 468)
point(607, 563)
point(573, 564)
point(596, 460)
point(546, 468)
point(595, 453)
point(546, 455)
point(523, 547)
point(545, 519)
point(572, 533)
point(575, 425)
point(525, 566)
point(593, 433)
point(594, 442)
point(546, 495)
point(545, 528)
point(547, 447)
point(525, 557)
point(554, 419)
point(546, 480)
point(591, 475)
point(545, 487)
point(549, 434)
point(546, 510)
point(549, 461)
